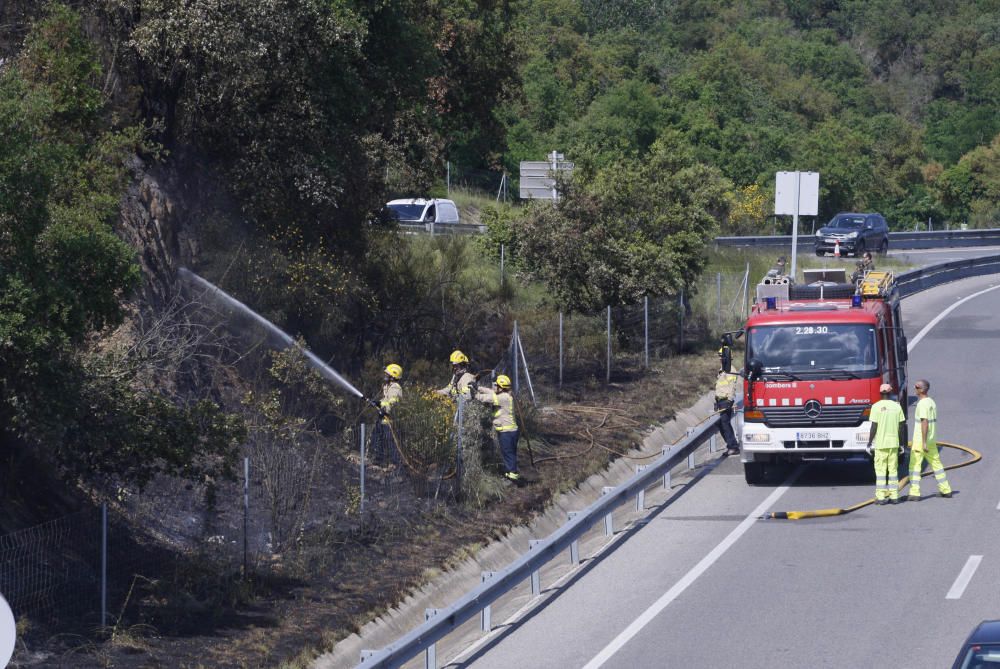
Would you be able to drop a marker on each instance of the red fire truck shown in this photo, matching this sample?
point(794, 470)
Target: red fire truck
point(816, 355)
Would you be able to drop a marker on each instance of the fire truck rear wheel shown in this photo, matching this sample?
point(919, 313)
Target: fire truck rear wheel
point(753, 472)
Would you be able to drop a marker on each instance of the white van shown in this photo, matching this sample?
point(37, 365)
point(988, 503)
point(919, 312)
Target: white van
point(419, 210)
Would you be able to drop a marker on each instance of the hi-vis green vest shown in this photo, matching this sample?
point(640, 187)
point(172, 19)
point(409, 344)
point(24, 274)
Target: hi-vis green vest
point(503, 417)
point(725, 385)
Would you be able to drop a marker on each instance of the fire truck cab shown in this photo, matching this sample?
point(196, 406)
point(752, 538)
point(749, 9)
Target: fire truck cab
point(816, 355)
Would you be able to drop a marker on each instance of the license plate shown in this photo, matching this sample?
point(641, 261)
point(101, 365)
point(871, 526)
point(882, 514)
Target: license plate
point(813, 436)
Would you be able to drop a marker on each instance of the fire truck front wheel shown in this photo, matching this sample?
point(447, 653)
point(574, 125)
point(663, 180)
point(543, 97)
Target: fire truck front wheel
point(753, 472)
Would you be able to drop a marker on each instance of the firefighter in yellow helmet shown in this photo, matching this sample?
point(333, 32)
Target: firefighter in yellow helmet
point(886, 415)
point(504, 422)
point(383, 442)
point(726, 383)
point(460, 377)
point(391, 390)
point(925, 443)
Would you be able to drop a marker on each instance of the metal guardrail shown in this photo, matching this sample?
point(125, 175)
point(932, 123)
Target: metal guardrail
point(897, 240)
point(442, 228)
point(917, 280)
point(441, 622)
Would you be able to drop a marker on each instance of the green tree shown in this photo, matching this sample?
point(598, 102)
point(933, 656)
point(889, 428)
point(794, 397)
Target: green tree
point(64, 274)
point(632, 229)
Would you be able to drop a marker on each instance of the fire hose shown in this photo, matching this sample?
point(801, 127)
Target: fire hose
point(824, 513)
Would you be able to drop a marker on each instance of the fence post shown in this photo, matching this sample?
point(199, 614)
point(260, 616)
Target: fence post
point(680, 335)
point(560, 349)
point(608, 376)
point(527, 374)
point(458, 440)
point(104, 564)
point(513, 358)
point(718, 291)
point(645, 320)
point(362, 504)
point(246, 508)
point(502, 250)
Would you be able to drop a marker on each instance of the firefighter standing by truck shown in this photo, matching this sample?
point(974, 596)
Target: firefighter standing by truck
point(925, 443)
point(725, 396)
point(886, 415)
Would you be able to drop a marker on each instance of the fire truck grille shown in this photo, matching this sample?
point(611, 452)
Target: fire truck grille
point(850, 416)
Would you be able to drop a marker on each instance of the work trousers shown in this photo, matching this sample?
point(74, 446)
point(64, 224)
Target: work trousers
point(725, 409)
point(886, 473)
point(508, 449)
point(933, 457)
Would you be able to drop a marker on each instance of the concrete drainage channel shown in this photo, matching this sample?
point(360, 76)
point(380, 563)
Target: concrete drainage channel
point(450, 586)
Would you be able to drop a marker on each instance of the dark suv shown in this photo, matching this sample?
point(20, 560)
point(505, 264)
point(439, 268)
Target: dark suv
point(856, 233)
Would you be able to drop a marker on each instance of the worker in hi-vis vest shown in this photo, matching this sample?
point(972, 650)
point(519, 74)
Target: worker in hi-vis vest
point(384, 448)
point(886, 415)
point(504, 422)
point(925, 443)
point(725, 398)
point(461, 377)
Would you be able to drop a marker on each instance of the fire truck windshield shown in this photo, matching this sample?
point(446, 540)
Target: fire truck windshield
point(843, 349)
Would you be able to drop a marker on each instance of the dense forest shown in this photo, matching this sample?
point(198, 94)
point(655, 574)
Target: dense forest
point(277, 129)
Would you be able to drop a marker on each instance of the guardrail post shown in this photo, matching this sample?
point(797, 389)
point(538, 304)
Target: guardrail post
point(691, 462)
point(666, 474)
point(711, 444)
point(640, 499)
point(485, 617)
point(430, 655)
point(609, 521)
point(574, 548)
point(536, 579)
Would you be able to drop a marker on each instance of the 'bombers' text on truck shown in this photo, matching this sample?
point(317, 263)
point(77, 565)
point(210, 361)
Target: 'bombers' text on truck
point(816, 355)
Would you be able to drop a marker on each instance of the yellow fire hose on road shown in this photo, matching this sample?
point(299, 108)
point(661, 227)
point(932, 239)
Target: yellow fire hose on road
point(823, 513)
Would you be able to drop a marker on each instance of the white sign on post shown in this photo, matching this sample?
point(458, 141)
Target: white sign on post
point(803, 184)
point(795, 194)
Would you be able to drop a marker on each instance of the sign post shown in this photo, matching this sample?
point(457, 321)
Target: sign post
point(796, 193)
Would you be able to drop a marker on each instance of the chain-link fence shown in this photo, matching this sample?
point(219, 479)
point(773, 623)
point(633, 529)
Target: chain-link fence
point(617, 342)
point(150, 557)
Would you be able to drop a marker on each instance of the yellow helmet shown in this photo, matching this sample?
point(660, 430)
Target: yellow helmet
point(503, 381)
point(458, 357)
point(394, 370)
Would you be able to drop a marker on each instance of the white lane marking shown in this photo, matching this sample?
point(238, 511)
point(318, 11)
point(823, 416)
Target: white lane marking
point(920, 335)
point(998, 506)
point(649, 614)
point(958, 587)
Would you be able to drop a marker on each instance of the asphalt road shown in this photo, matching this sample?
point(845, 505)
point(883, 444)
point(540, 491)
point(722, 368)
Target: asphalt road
point(706, 583)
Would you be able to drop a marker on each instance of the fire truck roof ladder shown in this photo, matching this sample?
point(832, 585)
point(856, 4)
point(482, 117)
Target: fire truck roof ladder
point(876, 284)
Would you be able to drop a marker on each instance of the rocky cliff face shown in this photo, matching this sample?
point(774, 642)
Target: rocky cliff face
point(151, 222)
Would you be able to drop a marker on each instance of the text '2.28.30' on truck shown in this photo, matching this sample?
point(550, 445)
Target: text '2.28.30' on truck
point(816, 356)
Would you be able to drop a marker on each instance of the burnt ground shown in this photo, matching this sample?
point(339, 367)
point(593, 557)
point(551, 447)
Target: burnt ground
point(285, 619)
